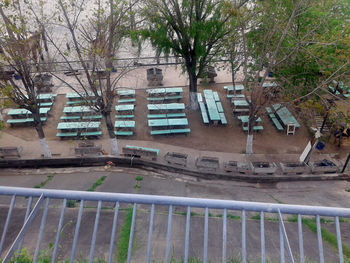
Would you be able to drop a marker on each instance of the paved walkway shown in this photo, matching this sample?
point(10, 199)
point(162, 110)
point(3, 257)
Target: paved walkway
point(65, 148)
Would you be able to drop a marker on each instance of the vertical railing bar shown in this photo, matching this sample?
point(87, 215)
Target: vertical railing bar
point(340, 248)
point(286, 241)
point(9, 213)
point(205, 245)
point(168, 237)
point(150, 231)
point(94, 234)
point(224, 235)
point(29, 206)
point(131, 238)
point(244, 249)
point(41, 230)
point(114, 228)
point(262, 236)
point(301, 241)
point(319, 238)
point(282, 258)
point(76, 233)
point(24, 229)
point(58, 234)
point(187, 237)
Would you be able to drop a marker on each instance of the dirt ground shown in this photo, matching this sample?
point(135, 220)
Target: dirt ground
point(229, 138)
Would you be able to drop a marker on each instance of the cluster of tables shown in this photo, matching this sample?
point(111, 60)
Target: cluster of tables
point(79, 120)
point(23, 116)
point(211, 107)
point(125, 124)
point(166, 118)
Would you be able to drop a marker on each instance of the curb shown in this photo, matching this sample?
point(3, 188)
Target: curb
point(147, 164)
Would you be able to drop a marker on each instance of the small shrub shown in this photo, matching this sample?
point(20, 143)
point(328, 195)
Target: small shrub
point(71, 203)
point(139, 178)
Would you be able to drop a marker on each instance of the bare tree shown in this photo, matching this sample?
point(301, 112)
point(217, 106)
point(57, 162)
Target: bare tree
point(22, 53)
point(95, 44)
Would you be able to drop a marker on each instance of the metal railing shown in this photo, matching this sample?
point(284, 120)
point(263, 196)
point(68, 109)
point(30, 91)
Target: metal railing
point(43, 198)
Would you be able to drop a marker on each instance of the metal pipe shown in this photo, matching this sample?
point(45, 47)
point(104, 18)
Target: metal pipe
point(224, 235)
point(94, 234)
point(150, 231)
point(168, 236)
point(301, 241)
point(179, 201)
point(76, 233)
point(131, 237)
point(262, 237)
point(340, 246)
point(187, 235)
point(114, 228)
point(41, 230)
point(319, 239)
point(8, 218)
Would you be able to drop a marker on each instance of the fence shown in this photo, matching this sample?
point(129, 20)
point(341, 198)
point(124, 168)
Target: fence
point(44, 197)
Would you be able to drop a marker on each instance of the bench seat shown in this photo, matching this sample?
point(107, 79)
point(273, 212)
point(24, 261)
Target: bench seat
point(204, 113)
point(131, 116)
point(231, 96)
point(223, 118)
point(255, 128)
point(45, 104)
point(67, 134)
point(176, 115)
point(126, 100)
point(187, 130)
point(124, 133)
point(277, 123)
point(78, 102)
point(27, 120)
point(95, 133)
point(142, 150)
point(199, 97)
point(156, 116)
point(70, 118)
point(92, 117)
point(177, 97)
point(160, 132)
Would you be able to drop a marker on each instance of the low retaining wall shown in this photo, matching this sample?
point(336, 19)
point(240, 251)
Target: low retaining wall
point(147, 164)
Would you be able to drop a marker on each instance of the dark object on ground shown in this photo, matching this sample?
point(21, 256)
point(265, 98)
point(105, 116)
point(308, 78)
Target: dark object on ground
point(11, 152)
point(154, 76)
point(263, 167)
point(88, 151)
point(207, 163)
point(176, 158)
point(320, 145)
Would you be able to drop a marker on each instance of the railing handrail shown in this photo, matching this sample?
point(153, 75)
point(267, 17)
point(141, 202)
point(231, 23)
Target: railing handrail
point(178, 201)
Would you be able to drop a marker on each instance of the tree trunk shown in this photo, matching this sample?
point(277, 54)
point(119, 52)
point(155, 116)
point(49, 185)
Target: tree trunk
point(193, 92)
point(249, 145)
point(39, 129)
point(112, 137)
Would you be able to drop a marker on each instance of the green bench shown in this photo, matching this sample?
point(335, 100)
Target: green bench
point(124, 133)
point(255, 128)
point(124, 116)
point(216, 96)
point(126, 100)
point(236, 96)
point(160, 132)
point(156, 116)
point(177, 97)
point(172, 131)
point(79, 102)
point(176, 115)
point(223, 118)
point(45, 104)
point(92, 117)
point(199, 97)
point(70, 118)
point(164, 116)
point(274, 119)
point(67, 134)
point(219, 106)
point(204, 113)
point(95, 133)
point(22, 121)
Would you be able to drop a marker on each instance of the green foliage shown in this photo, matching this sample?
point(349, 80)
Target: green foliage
point(190, 29)
point(2, 126)
point(71, 203)
point(123, 242)
point(97, 183)
point(42, 184)
point(139, 178)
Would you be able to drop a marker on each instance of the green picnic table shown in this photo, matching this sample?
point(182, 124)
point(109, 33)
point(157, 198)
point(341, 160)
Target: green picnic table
point(166, 107)
point(77, 109)
point(124, 124)
point(240, 103)
point(19, 112)
point(81, 95)
point(128, 92)
point(269, 85)
point(237, 88)
point(173, 90)
point(245, 119)
point(78, 125)
point(284, 114)
point(168, 122)
point(126, 107)
point(160, 91)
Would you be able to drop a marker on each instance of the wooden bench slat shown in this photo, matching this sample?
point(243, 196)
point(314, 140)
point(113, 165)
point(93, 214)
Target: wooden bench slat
point(156, 116)
point(176, 115)
point(160, 132)
point(180, 130)
point(92, 117)
point(70, 118)
point(126, 100)
point(67, 134)
point(96, 133)
point(223, 118)
point(255, 128)
point(124, 116)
